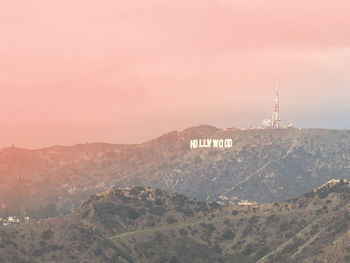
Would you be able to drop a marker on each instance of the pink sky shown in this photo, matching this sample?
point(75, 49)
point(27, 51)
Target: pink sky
point(128, 71)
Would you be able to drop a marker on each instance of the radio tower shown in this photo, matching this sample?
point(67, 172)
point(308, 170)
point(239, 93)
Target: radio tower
point(276, 120)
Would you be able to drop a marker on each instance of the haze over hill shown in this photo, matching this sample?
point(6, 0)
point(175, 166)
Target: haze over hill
point(261, 166)
point(136, 224)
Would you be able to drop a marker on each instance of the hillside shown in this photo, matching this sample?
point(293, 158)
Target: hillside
point(136, 224)
point(261, 166)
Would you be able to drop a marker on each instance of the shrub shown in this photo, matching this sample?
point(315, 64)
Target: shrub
point(214, 205)
point(314, 229)
point(98, 251)
point(159, 202)
point(262, 252)
point(207, 230)
point(323, 194)
point(293, 246)
point(284, 226)
point(38, 252)
point(174, 260)
point(132, 214)
point(188, 212)
point(272, 218)
point(234, 212)
point(42, 244)
point(170, 220)
point(151, 223)
point(48, 234)
point(247, 231)
point(159, 211)
point(183, 232)
point(249, 249)
point(228, 234)
point(197, 160)
point(253, 220)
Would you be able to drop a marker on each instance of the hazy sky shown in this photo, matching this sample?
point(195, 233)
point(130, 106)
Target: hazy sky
point(128, 71)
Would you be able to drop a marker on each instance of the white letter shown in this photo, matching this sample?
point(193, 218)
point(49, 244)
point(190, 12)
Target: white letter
point(221, 143)
point(200, 143)
point(194, 144)
point(215, 143)
point(208, 143)
point(228, 143)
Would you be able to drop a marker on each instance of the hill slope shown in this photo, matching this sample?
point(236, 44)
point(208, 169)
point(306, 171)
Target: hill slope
point(261, 166)
point(149, 225)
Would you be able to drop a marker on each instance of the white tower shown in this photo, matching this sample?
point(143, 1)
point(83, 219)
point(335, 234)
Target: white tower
point(276, 118)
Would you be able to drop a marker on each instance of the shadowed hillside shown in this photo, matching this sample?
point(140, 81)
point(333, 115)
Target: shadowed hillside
point(136, 224)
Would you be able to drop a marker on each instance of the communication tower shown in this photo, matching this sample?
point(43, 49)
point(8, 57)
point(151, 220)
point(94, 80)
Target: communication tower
point(276, 118)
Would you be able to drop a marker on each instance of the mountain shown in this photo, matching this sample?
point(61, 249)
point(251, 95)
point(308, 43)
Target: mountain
point(137, 224)
point(261, 166)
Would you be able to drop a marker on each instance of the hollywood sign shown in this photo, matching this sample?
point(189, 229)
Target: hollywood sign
point(211, 143)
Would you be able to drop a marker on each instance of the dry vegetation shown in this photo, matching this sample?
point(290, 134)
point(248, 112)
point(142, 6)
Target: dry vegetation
point(137, 224)
point(262, 166)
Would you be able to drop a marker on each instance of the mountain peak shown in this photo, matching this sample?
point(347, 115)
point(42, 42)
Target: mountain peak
point(334, 187)
point(201, 129)
point(334, 183)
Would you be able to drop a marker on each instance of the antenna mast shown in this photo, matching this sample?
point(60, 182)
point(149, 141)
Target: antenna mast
point(276, 119)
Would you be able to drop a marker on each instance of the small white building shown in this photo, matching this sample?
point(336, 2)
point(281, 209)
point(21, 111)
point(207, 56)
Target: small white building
point(12, 219)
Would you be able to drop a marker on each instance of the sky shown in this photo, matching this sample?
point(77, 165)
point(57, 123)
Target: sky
point(128, 71)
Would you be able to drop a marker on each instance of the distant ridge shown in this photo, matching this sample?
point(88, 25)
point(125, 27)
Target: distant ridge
point(261, 166)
